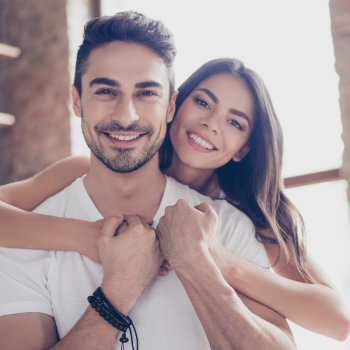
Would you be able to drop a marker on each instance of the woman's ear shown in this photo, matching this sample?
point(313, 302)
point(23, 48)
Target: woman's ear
point(76, 102)
point(241, 153)
point(171, 107)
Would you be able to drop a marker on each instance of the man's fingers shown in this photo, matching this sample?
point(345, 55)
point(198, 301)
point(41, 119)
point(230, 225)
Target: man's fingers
point(111, 225)
point(158, 232)
point(167, 266)
point(204, 207)
point(133, 220)
point(163, 272)
point(207, 210)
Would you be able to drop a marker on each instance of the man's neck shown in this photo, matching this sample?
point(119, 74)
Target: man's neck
point(139, 192)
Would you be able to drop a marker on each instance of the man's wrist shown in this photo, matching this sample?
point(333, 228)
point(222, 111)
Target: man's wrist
point(195, 263)
point(114, 317)
point(121, 298)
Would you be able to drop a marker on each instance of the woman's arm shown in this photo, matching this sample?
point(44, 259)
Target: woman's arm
point(317, 307)
point(28, 194)
point(22, 229)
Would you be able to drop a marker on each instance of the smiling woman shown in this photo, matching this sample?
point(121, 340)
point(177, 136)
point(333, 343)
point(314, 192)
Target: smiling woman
point(222, 118)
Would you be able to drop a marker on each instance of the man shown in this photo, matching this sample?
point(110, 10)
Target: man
point(123, 91)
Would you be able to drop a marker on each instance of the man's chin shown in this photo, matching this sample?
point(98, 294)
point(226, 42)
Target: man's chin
point(124, 165)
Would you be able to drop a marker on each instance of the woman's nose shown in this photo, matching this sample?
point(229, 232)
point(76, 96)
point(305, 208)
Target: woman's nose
point(211, 124)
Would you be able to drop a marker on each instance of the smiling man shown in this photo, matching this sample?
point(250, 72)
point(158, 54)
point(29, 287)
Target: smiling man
point(130, 104)
point(123, 93)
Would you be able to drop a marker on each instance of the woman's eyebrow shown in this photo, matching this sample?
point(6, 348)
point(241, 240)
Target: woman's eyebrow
point(239, 114)
point(231, 110)
point(209, 93)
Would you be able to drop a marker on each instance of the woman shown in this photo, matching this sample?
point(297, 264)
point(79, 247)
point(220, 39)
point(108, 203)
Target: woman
point(225, 142)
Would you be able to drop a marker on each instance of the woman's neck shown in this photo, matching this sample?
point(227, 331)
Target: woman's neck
point(204, 181)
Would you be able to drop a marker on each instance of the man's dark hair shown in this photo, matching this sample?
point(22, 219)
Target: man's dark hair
point(125, 26)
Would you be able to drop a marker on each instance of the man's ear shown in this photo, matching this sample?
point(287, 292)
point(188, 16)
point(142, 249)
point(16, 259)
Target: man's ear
point(241, 153)
point(76, 102)
point(171, 108)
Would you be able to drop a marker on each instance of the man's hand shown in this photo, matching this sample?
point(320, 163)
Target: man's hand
point(131, 258)
point(185, 231)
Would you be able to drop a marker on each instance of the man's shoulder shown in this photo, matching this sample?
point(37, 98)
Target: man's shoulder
point(60, 198)
point(182, 191)
point(221, 206)
point(73, 201)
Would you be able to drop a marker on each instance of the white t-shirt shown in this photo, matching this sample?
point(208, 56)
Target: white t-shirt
point(58, 283)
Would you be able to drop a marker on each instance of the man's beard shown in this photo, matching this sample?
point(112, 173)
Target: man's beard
point(123, 161)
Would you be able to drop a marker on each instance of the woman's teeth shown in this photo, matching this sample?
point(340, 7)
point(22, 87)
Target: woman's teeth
point(199, 141)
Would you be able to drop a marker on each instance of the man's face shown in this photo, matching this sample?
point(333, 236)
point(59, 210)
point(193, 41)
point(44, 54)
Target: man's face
point(124, 104)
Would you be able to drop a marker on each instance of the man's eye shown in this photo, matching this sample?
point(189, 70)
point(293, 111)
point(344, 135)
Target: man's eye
point(201, 102)
point(147, 93)
point(103, 92)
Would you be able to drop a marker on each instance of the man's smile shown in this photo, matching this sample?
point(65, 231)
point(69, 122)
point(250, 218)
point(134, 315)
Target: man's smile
point(122, 139)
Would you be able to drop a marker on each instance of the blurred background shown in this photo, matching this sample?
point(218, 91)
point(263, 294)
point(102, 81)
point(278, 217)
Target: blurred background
point(300, 48)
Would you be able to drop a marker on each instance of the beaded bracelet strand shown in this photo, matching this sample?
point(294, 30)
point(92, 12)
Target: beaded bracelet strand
point(109, 313)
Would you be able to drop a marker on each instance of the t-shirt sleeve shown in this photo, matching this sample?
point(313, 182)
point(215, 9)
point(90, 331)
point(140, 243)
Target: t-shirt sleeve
point(237, 234)
point(23, 281)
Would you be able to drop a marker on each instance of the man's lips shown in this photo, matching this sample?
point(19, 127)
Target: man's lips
point(124, 139)
point(201, 142)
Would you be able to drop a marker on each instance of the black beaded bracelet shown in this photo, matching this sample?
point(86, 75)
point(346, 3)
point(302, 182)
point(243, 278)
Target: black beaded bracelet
point(109, 313)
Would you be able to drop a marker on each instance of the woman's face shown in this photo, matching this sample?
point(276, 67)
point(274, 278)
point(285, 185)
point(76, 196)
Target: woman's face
point(214, 123)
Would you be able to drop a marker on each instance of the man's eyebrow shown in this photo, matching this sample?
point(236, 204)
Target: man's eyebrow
point(104, 81)
point(231, 110)
point(148, 83)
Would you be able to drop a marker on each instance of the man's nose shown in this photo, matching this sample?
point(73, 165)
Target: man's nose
point(125, 112)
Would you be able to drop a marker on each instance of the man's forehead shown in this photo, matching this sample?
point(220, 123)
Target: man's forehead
point(116, 83)
point(127, 63)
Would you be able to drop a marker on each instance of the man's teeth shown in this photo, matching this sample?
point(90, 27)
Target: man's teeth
point(199, 141)
point(123, 137)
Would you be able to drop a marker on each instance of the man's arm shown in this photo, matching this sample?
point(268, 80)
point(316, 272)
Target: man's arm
point(122, 284)
point(228, 322)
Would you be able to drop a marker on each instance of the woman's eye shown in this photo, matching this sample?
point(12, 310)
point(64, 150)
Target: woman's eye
point(201, 102)
point(235, 124)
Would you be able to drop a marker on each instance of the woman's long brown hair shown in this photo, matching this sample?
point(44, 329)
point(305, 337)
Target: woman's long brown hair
point(255, 184)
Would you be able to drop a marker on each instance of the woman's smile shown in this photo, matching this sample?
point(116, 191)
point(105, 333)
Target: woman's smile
point(199, 142)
